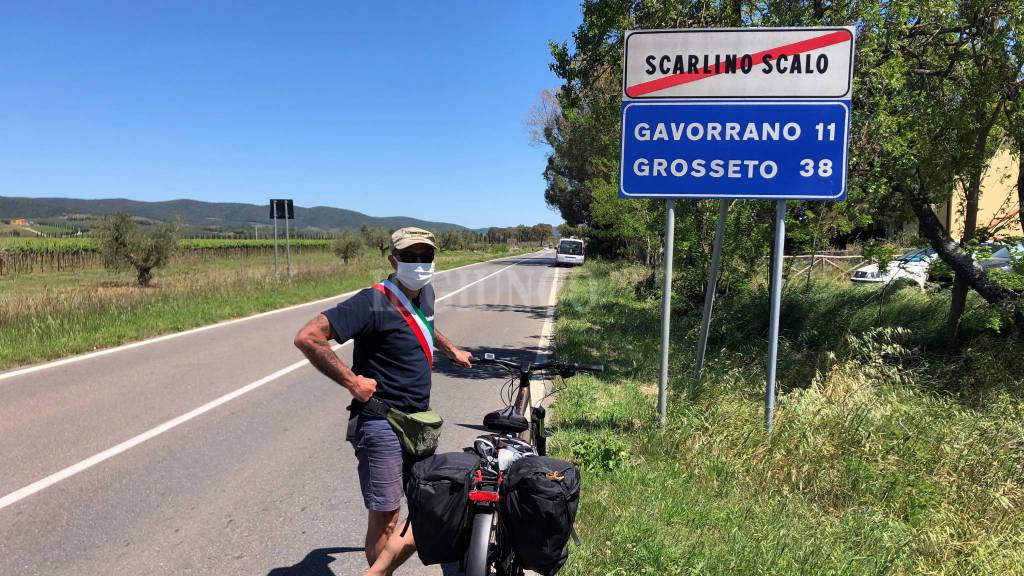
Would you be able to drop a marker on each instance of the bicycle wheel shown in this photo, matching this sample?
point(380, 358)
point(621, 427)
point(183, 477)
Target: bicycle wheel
point(505, 561)
point(479, 545)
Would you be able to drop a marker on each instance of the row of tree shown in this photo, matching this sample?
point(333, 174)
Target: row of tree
point(348, 244)
point(937, 91)
point(125, 245)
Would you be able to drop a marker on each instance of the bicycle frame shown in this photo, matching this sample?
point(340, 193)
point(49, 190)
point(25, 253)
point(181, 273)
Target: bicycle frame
point(486, 489)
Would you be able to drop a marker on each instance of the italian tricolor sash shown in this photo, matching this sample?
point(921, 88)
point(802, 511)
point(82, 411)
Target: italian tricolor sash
point(423, 330)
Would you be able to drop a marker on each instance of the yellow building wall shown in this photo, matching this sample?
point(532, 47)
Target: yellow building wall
point(998, 202)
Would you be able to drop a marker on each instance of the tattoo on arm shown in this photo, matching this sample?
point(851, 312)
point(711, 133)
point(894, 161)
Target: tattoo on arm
point(314, 341)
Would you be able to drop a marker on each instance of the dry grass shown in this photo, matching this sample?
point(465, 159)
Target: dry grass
point(46, 316)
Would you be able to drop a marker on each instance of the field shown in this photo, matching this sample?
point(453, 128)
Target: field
point(887, 457)
point(54, 314)
point(33, 255)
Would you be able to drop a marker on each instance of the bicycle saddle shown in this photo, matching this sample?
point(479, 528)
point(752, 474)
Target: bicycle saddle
point(506, 420)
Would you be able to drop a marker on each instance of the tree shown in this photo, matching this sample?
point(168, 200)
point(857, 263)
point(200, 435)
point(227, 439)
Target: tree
point(124, 245)
point(451, 239)
point(378, 238)
point(347, 245)
point(937, 89)
point(945, 78)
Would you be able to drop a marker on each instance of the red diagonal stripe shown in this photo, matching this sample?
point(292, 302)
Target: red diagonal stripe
point(829, 39)
point(407, 316)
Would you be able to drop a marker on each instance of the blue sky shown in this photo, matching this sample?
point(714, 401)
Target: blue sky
point(408, 108)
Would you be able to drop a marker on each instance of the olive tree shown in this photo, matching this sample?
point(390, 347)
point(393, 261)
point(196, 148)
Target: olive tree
point(124, 245)
point(347, 245)
point(378, 238)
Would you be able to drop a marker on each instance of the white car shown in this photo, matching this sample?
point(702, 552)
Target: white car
point(913, 266)
point(570, 252)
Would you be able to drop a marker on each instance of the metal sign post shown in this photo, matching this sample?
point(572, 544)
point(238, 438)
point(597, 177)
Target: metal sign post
point(775, 302)
point(666, 309)
point(759, 113)
point(709, 296)
point(288, 249)
point(273, 213)
point(284, 209)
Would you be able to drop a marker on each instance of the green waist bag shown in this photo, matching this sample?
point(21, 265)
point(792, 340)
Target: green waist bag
point(418, 432)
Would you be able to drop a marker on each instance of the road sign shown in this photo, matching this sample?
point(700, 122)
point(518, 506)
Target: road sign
point(784, 63)
point(769, 150)
point(734, 113)
point(282, 208)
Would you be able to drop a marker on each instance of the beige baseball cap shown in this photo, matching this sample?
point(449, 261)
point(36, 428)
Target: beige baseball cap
point(405, 237)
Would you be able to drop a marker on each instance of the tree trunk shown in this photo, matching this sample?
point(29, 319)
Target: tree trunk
point(960, 261)
point(957, 305)
point(1020, 185)
point(973, 191)
point(736, 12)
point(145, 275)
point(819, 10)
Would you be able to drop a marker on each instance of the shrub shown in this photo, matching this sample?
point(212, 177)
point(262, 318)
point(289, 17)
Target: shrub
point(124, 245)
point(347, 245)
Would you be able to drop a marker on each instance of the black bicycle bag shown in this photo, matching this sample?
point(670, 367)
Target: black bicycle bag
point(538, 510)
point(437, 492)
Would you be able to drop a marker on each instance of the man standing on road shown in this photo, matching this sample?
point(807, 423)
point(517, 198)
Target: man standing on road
point(391, 361)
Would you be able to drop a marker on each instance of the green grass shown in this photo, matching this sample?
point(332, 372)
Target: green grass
point(886, 458)
point(51, 315)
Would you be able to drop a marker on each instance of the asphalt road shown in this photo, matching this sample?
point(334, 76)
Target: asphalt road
point(219, 451)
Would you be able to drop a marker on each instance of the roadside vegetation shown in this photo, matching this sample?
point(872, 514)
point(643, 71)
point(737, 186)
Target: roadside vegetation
point(888, 456)
point(55, 314)
point(925, 73)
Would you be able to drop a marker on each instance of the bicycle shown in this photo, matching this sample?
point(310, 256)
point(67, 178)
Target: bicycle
point(488, 545)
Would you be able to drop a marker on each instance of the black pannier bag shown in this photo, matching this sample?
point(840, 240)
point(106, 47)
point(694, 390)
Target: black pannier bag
point(437, 492)
point(538, 511)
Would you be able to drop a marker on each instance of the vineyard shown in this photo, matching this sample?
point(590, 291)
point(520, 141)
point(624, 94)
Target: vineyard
point(29, 255)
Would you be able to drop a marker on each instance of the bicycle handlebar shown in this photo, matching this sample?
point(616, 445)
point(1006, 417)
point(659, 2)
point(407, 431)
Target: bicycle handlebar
point(555, 365)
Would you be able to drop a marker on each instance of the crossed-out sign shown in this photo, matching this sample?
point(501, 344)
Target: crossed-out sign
point(736, 113)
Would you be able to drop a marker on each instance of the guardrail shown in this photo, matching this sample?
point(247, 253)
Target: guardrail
point(830, 263)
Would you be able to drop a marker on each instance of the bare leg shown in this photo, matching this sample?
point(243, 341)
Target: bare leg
point(397, 551)
point(380, 526)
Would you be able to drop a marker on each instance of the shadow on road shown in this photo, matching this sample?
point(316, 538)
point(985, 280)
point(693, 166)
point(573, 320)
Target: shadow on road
point(534, 312)
point(443, 365)
point(315, 563)
point(541, 261)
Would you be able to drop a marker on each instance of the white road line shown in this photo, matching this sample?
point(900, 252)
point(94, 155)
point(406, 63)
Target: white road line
point(156, 431)
point(538, 387)
point(545, 334)
point(148, 434)
point(104, 352)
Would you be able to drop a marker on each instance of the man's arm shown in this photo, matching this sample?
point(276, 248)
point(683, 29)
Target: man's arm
point(314, 341)
point(457, 355)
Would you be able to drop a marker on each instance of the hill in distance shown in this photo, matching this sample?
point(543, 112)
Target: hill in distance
point(194, 213)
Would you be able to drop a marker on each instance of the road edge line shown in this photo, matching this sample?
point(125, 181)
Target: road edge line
point(121, 347)
point(82, 465)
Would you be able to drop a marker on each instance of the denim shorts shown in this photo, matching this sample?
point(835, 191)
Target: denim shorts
point(381, 465)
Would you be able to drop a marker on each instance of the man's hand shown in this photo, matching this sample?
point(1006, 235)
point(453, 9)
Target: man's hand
point(361, 387)
point(457, 355)
point(461, 357)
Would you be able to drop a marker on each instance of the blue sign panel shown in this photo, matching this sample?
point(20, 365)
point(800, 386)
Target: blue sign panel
point(766, 150)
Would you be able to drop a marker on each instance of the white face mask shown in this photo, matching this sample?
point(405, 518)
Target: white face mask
point(414, 275)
